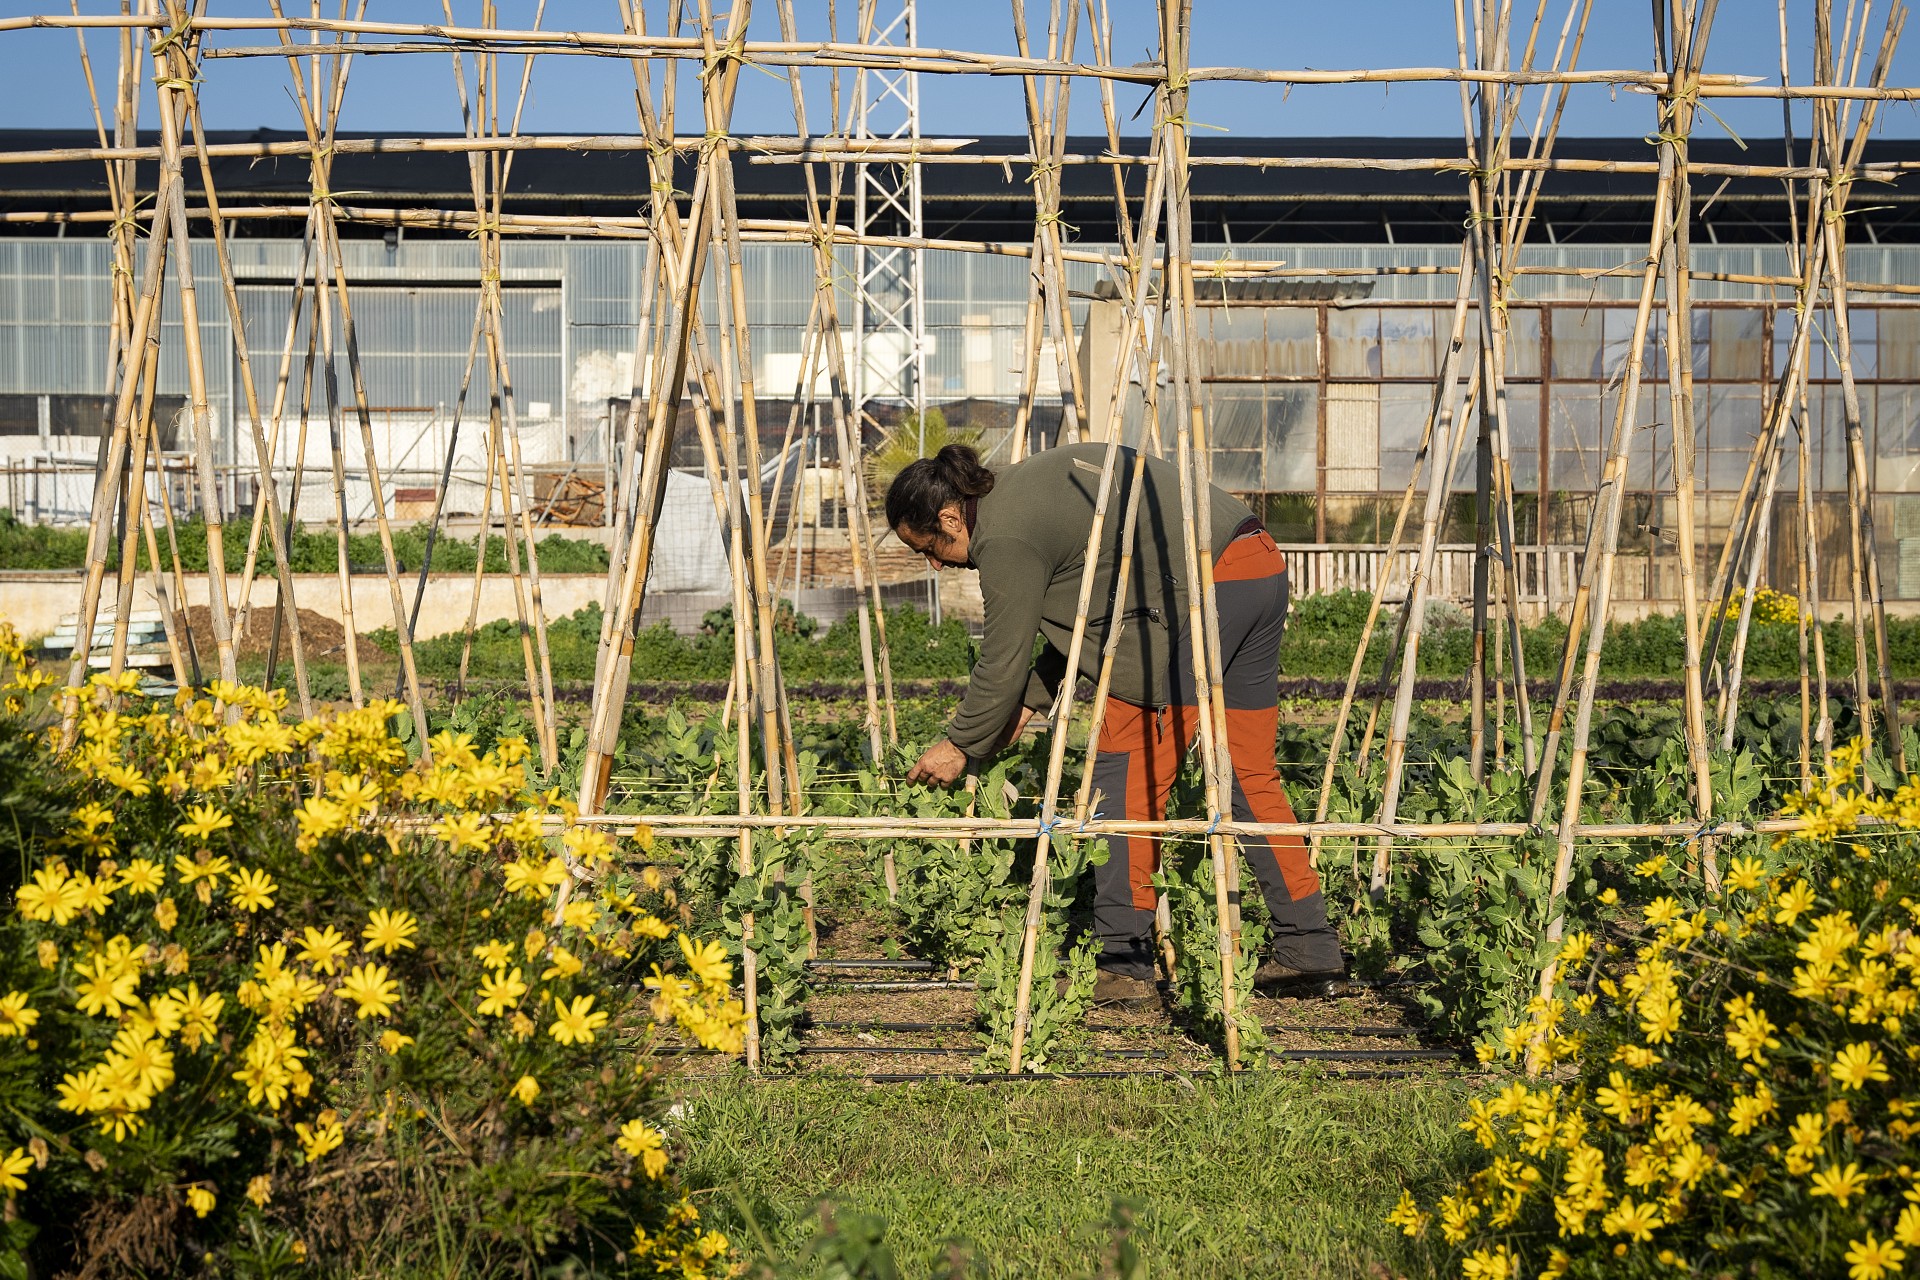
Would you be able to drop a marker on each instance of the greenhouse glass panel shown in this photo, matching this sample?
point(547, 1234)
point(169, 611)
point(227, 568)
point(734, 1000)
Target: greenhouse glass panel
point(1735, 349)
point(1353, 342)
point(1403, 420)
point(1293, 431)
point(1407, 342)
point(1293, 343)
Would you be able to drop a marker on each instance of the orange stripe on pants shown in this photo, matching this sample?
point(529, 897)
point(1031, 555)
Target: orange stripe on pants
point(1139, 755)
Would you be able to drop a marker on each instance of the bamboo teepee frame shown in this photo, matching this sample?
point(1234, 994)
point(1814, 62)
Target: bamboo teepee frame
point(694, 238)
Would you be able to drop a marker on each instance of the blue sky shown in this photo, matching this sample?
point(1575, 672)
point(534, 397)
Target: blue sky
point(415, 93)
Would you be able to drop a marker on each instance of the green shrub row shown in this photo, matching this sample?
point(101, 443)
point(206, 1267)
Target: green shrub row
point(33, 546)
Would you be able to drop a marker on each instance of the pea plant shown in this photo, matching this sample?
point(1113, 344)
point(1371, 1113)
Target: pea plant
point(1186, 877)
point(1063, 970)
point(768, 894)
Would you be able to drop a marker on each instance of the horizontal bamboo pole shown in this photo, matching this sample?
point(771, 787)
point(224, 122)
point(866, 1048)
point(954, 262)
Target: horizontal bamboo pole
point(682, 826)
point(441, 36)
point(800, 151)
point(777, 231)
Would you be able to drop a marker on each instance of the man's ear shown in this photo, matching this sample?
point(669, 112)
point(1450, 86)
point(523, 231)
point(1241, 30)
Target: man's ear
point(952, 522)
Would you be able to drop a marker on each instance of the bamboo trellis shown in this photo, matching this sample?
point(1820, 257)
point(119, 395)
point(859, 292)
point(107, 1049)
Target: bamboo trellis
point(693, 283)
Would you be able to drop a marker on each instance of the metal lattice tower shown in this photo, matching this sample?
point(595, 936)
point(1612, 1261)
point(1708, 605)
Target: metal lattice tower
point(889, 329)
point(889, 326)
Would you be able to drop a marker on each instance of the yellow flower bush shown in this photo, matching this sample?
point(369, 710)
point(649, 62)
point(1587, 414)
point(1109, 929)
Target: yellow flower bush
point(1727, 1088)
point(1769, 606)
point(273, 989)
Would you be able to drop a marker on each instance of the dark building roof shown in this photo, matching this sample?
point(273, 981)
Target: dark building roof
point(1244, 204)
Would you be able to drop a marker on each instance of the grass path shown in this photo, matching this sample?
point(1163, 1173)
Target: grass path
point(1271, 1175)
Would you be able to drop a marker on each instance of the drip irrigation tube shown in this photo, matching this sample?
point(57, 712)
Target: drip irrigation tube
point(926, 985)
point(1281, 1055)
point(1001, 1077)
point(1366, 1032)
point(925, 966)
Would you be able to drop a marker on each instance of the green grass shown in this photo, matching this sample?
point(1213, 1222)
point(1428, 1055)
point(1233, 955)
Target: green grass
point(1260, 1176)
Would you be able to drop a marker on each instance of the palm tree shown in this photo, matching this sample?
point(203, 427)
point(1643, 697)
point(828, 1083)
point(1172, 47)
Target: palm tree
point(916, 437)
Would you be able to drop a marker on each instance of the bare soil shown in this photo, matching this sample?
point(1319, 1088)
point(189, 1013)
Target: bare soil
point(324, 639)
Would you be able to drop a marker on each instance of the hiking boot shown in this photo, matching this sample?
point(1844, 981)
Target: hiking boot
point(1279, 979)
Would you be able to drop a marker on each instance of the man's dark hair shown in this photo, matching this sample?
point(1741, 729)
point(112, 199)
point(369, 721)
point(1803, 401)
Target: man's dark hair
point(927, 486)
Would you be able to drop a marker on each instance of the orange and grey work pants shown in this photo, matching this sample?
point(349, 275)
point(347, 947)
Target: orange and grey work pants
point(1140, 751)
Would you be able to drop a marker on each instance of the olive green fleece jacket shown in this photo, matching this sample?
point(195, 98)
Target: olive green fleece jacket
point(1030, 543)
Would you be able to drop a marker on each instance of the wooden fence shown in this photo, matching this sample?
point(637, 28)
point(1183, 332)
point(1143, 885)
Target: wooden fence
point(1545, 575)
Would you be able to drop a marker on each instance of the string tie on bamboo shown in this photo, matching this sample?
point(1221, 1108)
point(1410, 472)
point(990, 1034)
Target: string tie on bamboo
point(176, 36)
point(483, 227)
point(1835, 215)
point(128, 221)
point(1052, 218)
point(1219, 270)
point(183, 84)
point(663, 156)
point(1095, 816)
point(734, 50)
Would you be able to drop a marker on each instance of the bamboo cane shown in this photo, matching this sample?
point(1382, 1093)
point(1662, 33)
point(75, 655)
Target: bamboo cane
point(1382, 577)
point(1679, 351)
point(639, 400)
point(732, 288)
point(1491, 49)
point(243, 606)
point(1191, 447)
point(1439, 485)
point(132, 521)
point(322, 326)
point(298, 478)
point(1606, 518)
point(1755, 559)
point(1047, 128)
point(479, 562)
point(269, 502)
point(1056, 758)
point(107, 482)
point(846, 442)
point(1136, 330)
point(604, 723)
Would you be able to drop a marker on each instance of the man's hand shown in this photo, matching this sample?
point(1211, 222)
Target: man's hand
point(943, 764)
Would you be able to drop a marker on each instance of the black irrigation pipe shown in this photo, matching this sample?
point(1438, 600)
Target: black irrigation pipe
point(926, 985)
point(1280, 1055)
point(930, 1027)
point(964, 984)
point(921, 965)
point(1002, 1077)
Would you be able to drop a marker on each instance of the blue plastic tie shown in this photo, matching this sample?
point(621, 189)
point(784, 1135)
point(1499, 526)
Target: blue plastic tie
point(1215, 825)
point(1095, 816)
